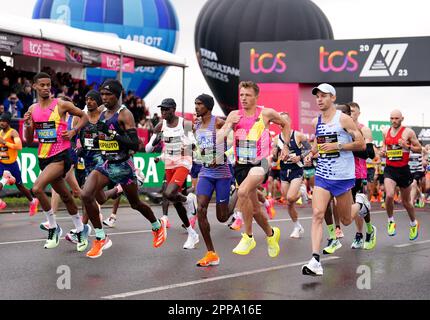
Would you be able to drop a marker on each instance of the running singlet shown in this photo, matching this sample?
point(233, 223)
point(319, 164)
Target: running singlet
point(396, 155)
point(336, 164)
point(7, 156)
point(360, 164)
point(206, 142)
point(174, 146)
point(110, 148)
point(416, 162)
point(294, 151)
point(251, 138)
point(49, 127)
point(88, 138)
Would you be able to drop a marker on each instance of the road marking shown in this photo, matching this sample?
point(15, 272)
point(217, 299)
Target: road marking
point(411, 244)
point(191, 283)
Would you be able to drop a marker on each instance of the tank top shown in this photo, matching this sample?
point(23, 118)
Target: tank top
point(294, 151)
point(206, 143)
point(416, 162)
point(174, 138)
point(7, 156)
point(49, 127)
point(396, 155)
point(336, 164)
point(110, 148)
point(251, 138)
point(360, 164)
point(88, 136)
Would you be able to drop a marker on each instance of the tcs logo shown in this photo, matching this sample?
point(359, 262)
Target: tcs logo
point(35, 48)
point(338, 61)
point(267, 62)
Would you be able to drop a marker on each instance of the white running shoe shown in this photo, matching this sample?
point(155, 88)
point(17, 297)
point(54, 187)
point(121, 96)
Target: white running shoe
point(110, 222)
point(297, 232)
point(190, 204)
point(365, 208)
point(192, 240)
point(313, 268)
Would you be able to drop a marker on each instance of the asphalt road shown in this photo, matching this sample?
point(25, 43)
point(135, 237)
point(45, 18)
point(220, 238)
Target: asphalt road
point(132, 269)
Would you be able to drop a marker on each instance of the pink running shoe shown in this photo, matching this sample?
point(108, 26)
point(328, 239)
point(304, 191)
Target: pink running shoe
point(10, 180)
point(166, 220)
point(34, 204)
point(237, 224)
point(2, 204)
point(271, 212)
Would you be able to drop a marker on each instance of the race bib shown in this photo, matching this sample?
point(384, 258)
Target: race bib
point(4, 155)
point(330, 138)
point(394, 152)
point(46, 132)
point(109, 145)
point(89, 142)
point(246, 151)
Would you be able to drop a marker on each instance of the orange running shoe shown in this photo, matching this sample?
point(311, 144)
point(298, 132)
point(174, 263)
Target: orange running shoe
point(160, 235)
point(270, 209)
point(33, 207)
point(98, 246)
point(281, 200)
point(210, 259)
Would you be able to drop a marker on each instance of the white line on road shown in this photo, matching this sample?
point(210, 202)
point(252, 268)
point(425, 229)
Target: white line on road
point(411, 244)
point(191, 283)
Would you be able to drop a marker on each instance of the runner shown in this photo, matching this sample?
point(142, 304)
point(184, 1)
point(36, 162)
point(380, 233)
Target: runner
point(47, 117)
point(177, 157)
point(336, 137)
point(10, 143)
point(292, 171)
point(214, 175)
point(398, 142)
point(117, 136)
point(417, 170)
point(252, 148)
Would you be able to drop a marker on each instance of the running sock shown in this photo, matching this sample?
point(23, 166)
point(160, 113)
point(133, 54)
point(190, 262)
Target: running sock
point(51, 218)
point(413, 223)
point(369, 227)
point(77, 221)
point(316, 256)
point(391, 219)
point(297, 224)
point(100, 234)
point(190, 230)
point(239, 215)
point(156, 225)
point(249, 236)
point(3, 181)
point(331, 231)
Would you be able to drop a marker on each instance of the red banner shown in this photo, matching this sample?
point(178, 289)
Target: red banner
point(112, 62)
point(44, 49)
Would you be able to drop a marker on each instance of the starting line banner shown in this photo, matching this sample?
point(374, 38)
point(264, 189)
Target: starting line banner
point(154, 172)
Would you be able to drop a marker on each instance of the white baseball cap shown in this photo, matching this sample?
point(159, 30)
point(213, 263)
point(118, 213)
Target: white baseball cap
point(324, 87)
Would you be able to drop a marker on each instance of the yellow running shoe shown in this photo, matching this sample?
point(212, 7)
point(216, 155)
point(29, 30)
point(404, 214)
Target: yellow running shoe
point(370, 241)
point(273, 243)
point(245, 245)
point(413, 232)
point(391, 228)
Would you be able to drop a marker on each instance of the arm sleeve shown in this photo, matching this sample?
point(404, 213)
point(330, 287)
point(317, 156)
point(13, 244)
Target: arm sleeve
point(368, 153)
point(307, 148)
point(129, 139)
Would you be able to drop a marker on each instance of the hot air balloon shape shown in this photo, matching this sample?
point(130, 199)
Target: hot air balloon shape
point(223, 24)
point(152, 22)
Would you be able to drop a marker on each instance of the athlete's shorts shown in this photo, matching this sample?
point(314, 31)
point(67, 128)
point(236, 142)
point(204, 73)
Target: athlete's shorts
point(335, 187)
point(370, 175)
point(275, 174)
point(80, 175)
point(62, 156)
point(401, 175)
point(14, 170)
point(289, 175)
point(92, 162)
point(308, 173)
point(177, 176)
point(195, 170)
point(358, 188)
point(418, 175)
point(119, 172)
point(241, 172)
point(206, 187)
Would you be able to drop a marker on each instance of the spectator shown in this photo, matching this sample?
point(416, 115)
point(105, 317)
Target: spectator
point(26, 97)
point(5, 89)
point(14, 106)
point(155, 119)
point(145, 123)
point(1, 108)
point(64, 92)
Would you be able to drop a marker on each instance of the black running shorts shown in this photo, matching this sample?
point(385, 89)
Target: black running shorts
point(401, 175)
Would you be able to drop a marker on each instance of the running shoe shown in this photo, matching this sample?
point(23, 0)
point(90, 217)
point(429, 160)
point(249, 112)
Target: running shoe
point(297, 232)
point(245, 245)
point(2, 204)
point(358, 242)
point(82, 238)
point(166, 221)
point(383, 205)
point(210, 259)
point(270, 209)
point(237, 224)
point(391, 228)
point(281, 200)
point(72, 236)
point(10, 180)
point(273, 243)
point(190, 204)
point(110, 222)
point(313, 268)
point(339, 233)
point(159, 235)
point(34, 207)
point(299, 201)
point(332, 246)
point(370, 241)
point(365, 204)
point(54, 235)
point(98, 247)
point(192, 240)
point(413, 232)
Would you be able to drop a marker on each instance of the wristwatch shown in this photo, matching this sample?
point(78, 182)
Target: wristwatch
point(339, 146)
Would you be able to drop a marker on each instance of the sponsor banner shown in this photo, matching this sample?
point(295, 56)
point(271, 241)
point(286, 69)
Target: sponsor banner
point(112, 62)
point(377, 127)
point(83, 56)
point(44, 49)
point(423, 134)
point(337, 61)
point(154, 172)
point(10, 43)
